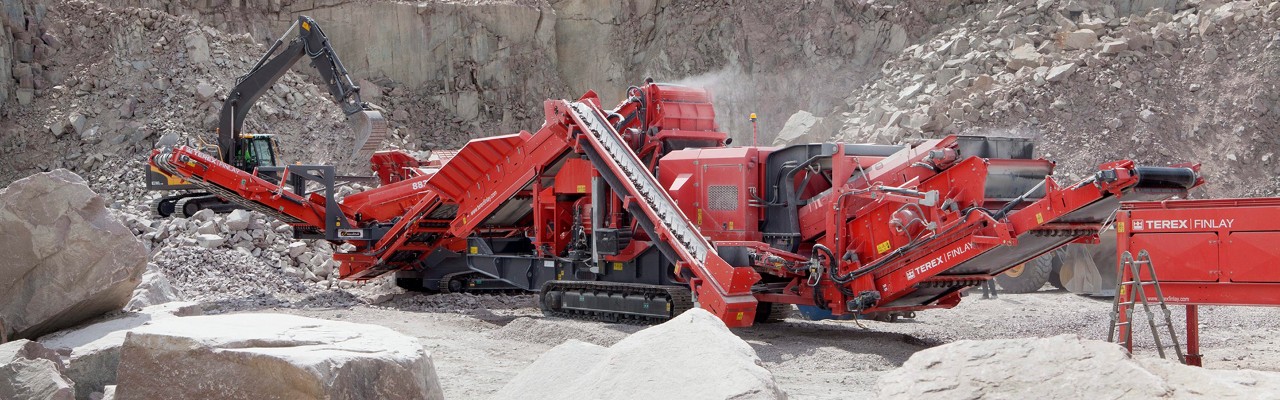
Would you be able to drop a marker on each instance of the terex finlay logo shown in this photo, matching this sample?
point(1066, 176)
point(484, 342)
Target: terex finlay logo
point(1166, 224)
point(939, 260)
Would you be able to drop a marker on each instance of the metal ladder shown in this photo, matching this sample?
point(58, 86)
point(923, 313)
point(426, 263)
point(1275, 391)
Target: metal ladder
point(1131, 288)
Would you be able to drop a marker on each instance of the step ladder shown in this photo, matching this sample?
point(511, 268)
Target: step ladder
point(1130, 290)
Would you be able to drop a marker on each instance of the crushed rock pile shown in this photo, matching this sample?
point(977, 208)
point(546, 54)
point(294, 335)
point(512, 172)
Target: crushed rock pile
point(1156, 81)
point(692, 356)
point(1061, 367)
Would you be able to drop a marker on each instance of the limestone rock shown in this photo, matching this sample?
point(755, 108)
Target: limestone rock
point(209, 241)
point(155, 289)
point(67, 258)
point(798, 129)
point(1060, 72)
point(1023, 56)
point(31, 371)
point(239, 220)
point(712, 363)
point(1081, 39)
point(95, 349)
point(1060, 367)
point(198, 48)
point(255, 356)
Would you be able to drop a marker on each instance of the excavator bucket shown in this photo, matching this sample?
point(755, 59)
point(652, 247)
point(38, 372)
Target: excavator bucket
point(370, 129)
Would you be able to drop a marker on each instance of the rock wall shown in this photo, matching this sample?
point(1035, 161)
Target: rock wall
point(487, 67)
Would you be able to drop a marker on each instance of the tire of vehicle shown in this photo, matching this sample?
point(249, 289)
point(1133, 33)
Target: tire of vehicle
point(1026, 278)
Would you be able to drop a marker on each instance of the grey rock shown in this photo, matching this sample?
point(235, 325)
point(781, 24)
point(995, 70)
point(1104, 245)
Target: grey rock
point(67, 258)
point(1080, 39)
point(1024, 56)
point(1061, 72)
point(205, 91)
point(197, 47)
point(239, 220)
point(798, 129)
point(210, 241)
point(223, 356)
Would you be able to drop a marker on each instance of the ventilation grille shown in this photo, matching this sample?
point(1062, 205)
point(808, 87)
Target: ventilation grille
point(722, 197)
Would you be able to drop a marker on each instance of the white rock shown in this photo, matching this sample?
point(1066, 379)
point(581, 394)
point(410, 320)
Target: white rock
point(205, 91)
point(296, 249)
point(155, 289)
point(272, 356)
point(239, 220)
point(198, 47)
point(1081, 39)
point(30, 371)
point(77, 122)
point(1060, 72)
point(1023, 56)
point(210, 241)
point(1061, 367)
point(798, 129)
point(95, 349)
point(208, 228)
point(66, 258)
point(693, 356)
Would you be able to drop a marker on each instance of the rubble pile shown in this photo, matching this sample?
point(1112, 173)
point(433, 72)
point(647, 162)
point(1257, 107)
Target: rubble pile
point(1156, 81)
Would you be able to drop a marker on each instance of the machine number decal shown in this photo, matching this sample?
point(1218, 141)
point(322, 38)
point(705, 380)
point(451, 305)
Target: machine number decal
point(883, 247)
point(419, 185)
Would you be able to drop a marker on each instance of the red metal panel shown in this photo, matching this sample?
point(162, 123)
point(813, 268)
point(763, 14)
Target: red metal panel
point(1251, 257)
point(1180, 257)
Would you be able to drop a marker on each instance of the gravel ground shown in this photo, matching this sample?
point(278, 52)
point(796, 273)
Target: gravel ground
point(477, 350)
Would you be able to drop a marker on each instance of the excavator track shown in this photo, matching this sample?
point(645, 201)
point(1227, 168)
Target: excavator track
point(627, 303)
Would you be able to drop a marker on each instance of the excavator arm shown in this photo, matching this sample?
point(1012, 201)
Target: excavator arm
point(368, 125)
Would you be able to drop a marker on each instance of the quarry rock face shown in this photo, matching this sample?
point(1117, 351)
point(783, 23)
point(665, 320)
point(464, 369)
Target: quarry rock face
point(31, 371)
point(255, 356)
point(692, 356)
point(1061, 367)
point(66, 259)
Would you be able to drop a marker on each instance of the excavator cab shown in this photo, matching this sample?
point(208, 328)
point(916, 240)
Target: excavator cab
point(254, 151)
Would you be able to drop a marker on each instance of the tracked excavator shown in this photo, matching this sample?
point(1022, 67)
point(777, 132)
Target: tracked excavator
point(257, 153)
point(638, 212)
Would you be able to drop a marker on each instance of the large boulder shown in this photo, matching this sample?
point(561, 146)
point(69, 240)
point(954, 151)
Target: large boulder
point(800, 128)
point(1061, 367)
point(693, 356)
point(257, 356)
point(31, 371)
point(66, 258)
point(95, 348)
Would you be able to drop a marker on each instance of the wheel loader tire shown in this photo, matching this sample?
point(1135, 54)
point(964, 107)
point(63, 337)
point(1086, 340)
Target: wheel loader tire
point(1026, 278)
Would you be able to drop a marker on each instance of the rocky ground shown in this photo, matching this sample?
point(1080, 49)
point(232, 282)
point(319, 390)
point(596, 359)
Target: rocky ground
point(90, 85)
point(810, 360)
